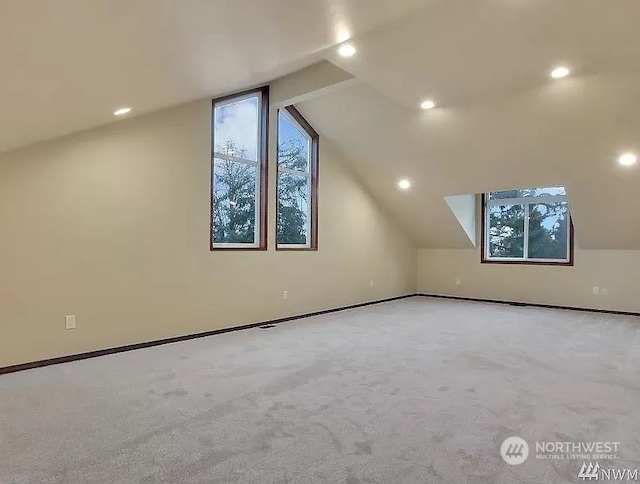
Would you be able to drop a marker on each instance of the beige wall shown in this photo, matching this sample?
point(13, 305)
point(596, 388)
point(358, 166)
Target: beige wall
point(618, 271)
point(112, 225)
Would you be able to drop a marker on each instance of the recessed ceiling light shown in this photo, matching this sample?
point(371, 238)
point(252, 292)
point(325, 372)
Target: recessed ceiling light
point(560, 72)
point(627, 159)
point(121, 111)
point(428, 104)
point(404, 184)
point(346, 50)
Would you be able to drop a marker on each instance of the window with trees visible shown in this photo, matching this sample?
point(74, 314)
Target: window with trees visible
point(297, 210)
point(531, 225)
point(239, 171)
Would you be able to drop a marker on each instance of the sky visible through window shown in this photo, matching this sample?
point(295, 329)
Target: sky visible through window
point(289, 134)
point(294, 184)
point(238, 123)
point(236, 135)
point(529, 223)
point(551, 217)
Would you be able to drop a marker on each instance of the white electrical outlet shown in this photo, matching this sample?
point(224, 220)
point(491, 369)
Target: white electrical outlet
point(605, 291)
point(70, 321)
point(370, 283)
point(458, 282)
point(285, 295)
point(596, 290)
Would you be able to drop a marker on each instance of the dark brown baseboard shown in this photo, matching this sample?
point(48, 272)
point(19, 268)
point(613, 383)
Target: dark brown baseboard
point(177, 339)
point(535, 305)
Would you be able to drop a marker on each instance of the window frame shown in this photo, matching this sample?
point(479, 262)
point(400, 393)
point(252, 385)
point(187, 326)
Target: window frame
point(526, 202)
point(312, 174)
point(262, 164)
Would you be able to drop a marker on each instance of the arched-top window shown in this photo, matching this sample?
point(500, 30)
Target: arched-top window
point(297, 210)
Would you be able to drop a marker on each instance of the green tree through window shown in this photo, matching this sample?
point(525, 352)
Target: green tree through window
point(297, 174)
point(293, 195)
point(234, 199)
point(239, 171)
point(528, 224)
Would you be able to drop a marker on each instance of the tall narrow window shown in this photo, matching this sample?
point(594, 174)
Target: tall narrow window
point(239, 171)
point(297, 213)
point(531, 225)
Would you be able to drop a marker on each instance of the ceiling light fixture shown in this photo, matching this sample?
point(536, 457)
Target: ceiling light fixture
point(560, 72)
point(627, 159)
point(121, 111)
point(346, 50)
point(404, 184)
point(428, 104)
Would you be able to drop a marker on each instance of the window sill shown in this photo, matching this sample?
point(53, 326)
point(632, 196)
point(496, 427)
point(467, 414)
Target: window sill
point(219, 248)
point(563, 263)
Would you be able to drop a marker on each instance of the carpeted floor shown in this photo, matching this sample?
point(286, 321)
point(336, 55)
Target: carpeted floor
point(417, 390)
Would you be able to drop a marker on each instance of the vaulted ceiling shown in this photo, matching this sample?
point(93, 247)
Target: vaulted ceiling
point(500, 121)
point(66, 65)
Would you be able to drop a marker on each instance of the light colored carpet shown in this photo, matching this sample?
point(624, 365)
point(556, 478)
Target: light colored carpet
point(417, 390)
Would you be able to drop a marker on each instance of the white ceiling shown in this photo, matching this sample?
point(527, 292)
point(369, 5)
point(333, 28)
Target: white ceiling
point(66, 65)
point(500, 122)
